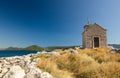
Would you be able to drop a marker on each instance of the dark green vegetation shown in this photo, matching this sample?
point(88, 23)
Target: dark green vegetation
point(39, 48)
point(32, 47)
point(59, 47)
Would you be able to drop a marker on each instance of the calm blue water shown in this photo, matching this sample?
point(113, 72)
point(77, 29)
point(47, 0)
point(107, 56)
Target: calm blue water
point(8, 53)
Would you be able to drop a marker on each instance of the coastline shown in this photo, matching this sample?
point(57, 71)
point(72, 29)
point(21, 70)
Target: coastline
point(12, 53)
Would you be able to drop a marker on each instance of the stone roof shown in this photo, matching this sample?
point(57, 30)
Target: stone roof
point(95, 24)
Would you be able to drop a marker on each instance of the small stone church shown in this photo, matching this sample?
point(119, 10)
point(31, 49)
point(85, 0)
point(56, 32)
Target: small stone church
point(94, 36)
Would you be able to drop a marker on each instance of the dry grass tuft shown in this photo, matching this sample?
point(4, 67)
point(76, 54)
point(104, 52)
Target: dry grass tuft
point(50, 66)
point(88, 63)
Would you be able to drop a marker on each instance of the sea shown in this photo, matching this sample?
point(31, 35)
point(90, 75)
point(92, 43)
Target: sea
point(9, 53)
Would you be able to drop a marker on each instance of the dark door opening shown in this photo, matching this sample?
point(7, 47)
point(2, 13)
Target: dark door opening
point(96, 41)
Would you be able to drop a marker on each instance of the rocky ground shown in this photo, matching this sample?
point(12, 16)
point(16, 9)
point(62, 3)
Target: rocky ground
point(24, 67)
point(21, 67)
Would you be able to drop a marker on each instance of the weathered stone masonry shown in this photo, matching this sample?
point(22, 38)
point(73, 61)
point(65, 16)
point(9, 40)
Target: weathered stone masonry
point(94, 36)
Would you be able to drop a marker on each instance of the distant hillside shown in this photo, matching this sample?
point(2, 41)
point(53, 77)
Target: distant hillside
point(36, 47)
point(13, 48)
point(115, 45)
point(59, 47)
point(33, 47)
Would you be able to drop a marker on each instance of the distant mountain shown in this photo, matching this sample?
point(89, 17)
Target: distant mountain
point(13, 48)
point(36, 47)
point(60, 47)
point(115, 45)
point(33, 47)
point(2, 48)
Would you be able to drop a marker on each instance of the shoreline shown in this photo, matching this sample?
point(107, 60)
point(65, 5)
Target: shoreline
point(12, 53)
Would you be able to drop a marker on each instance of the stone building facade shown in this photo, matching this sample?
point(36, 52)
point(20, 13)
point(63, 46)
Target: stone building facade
point(94, 36)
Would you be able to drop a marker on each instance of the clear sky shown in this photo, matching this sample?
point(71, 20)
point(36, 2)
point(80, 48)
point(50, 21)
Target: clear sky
point(55, 22)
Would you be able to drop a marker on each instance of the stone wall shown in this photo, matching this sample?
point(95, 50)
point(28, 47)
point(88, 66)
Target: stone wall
point(91, 31)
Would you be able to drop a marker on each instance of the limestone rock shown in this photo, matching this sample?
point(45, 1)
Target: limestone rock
point(15, 72)
point(33, 72)
point(73, 51)
point(55, 53)
point(11, 67)
point(46, 75)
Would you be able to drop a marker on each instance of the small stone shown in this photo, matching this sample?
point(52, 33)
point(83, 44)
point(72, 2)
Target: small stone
point(46, 75)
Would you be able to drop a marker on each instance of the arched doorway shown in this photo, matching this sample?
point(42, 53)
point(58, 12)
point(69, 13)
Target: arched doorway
point(96, 42)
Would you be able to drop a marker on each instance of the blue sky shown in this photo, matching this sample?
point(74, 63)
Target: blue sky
point(55, 22)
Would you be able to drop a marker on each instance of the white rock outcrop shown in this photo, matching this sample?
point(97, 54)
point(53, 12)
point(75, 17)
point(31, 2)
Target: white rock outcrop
point(21, 67)
point(15, 72)
point(46, 75)
point(33, 72)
